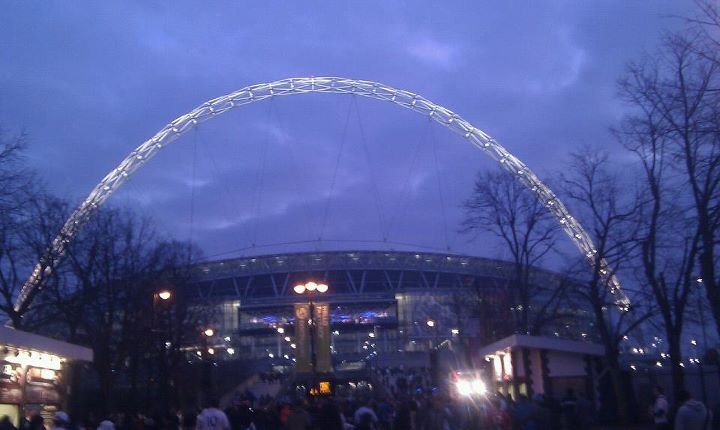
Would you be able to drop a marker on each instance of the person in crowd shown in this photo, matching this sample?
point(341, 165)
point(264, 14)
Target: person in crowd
point(329, 417)
point(36, 423)
point(106, 425)
point(61, 420)
point(523, 417)
point(298, 418)
point(569, 410)
point(212, 418)
point(240, 415)
point(365, 409)
point(189, 420)
point(660, 410)
point(6, 424)
point(403, 416)
point(692, 414)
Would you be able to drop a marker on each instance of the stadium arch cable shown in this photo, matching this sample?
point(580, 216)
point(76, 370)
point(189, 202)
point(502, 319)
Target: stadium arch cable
point(285, 87)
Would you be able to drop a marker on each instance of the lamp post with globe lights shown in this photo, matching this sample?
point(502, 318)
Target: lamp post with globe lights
point(207, 380)
point(160, 331)
point(311, 289)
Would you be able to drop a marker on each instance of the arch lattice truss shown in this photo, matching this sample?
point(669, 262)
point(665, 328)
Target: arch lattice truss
point(208, 110)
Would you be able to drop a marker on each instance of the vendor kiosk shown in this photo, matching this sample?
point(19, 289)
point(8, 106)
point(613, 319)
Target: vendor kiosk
point(33, 373)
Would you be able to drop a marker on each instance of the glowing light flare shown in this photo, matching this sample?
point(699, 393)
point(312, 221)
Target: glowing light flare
point(209, 332)
point(165, 294)
point(299, 288)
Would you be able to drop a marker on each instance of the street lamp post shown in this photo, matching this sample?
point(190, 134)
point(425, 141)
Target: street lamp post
point(311, 288)
point(280, 331)
point(160, 301)
point(207, 383)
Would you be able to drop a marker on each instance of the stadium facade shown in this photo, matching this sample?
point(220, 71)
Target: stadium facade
point(381, 301)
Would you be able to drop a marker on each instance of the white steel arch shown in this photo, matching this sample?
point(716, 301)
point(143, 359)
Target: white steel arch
point(212, 108)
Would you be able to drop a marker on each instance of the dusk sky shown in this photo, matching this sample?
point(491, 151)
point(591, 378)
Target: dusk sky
point(90, 81)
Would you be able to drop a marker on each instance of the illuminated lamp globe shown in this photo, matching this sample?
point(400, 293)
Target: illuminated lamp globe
point(164, 294)
point(299, 288)
point(431, 323)
point(209, 332)
point(311, 286)
point(322, 288)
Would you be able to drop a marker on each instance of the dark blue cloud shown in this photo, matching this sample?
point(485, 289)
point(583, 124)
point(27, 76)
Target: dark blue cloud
point(90, 81)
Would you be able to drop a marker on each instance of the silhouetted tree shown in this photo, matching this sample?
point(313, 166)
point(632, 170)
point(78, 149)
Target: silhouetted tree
point(502, 206)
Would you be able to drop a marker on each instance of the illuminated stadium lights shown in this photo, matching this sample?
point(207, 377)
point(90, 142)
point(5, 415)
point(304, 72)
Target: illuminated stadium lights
point(280, 330)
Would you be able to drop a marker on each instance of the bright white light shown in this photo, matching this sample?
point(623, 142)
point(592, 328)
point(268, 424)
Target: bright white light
point(311, 286)
point(336, 332)
point(479, 387)
point(198, 353)
point(271, 355)
point(165, 294)
point(658, 364)
point(293, 346)
point(287, 338)
point(299, 288)
point(227, 338)
point(322, 288)
point(430, 323)
point(633, 367)
point(209, 332)
point(693, 342)
point(287, 357)
point(280, 330)
point(371, 334)
point(231, 351)
point(455, 331)
point(464, 387)
point(211, 351)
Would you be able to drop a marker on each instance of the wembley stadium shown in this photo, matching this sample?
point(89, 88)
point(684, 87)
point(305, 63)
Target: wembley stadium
point(380, 301)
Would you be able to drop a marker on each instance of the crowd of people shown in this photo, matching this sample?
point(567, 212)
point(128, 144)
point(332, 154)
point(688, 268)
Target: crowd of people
point(413, 405)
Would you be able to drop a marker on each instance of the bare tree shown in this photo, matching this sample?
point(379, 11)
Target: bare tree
point(609, 210)
point(503, 207)
point(673, 131)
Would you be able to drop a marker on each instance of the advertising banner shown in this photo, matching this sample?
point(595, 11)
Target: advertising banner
point(302, 338)
point(322, 338)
